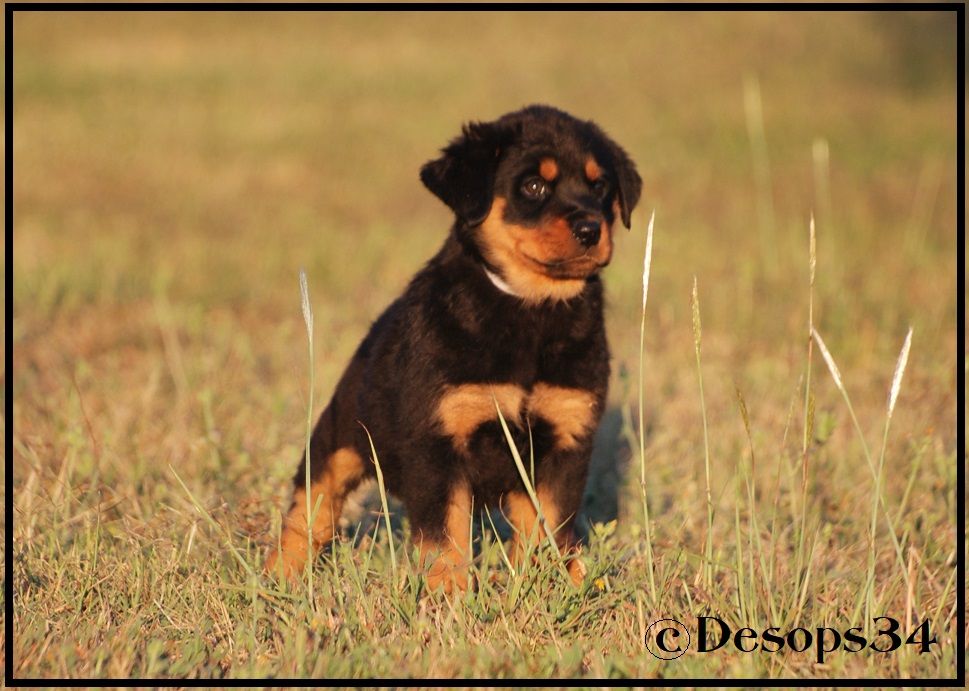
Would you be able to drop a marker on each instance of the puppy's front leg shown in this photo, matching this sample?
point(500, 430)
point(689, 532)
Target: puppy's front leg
point(442, 528)
point(572, 414)
point(559, 506)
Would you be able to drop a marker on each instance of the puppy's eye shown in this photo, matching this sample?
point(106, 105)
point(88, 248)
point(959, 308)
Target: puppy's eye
point(534, 188)
point(600, 187)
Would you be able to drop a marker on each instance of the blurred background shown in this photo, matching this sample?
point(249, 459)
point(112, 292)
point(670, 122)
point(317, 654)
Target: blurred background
point(174, 171)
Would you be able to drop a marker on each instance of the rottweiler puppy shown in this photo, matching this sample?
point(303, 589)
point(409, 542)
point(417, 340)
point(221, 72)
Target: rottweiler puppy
point(508, 313)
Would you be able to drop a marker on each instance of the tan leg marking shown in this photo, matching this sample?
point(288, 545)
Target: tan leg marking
point(521, 514)
point(523, 518)
point(451, 556)
point(462, 409)
point(571, 412)
point(342, 471)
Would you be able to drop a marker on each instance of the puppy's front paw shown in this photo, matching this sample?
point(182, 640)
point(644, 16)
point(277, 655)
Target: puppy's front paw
point(443, 575)
point(288, 561)
point(577, 570)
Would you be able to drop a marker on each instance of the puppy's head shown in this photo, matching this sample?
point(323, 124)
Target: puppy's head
point(536, 194)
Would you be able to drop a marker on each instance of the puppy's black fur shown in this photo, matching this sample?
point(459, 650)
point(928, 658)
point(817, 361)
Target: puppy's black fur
point(508, 312)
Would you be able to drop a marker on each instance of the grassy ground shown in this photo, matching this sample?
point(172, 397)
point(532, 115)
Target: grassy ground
point(174, 172)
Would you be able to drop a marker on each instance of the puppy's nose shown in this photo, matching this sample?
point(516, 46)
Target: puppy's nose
point(586, 232)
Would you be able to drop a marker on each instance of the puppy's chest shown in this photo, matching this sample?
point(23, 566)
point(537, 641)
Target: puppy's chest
point(523, 350)
point(563, 416)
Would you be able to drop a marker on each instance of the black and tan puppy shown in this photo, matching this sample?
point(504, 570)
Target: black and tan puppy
point(509, 310)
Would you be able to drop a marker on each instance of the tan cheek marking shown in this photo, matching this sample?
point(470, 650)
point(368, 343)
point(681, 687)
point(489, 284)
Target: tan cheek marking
point(462, 409)
point(342, 471)
point(571, 412)
point(450, 555)
point(592, 170)
point(553, 240)
point(503, 245)
point(548, 169)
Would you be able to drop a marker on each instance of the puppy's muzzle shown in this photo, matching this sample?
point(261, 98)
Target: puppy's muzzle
point(587, 231)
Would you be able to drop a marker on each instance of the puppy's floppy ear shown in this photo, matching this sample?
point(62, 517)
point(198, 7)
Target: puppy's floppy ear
point(628, 180)
point(464, 177)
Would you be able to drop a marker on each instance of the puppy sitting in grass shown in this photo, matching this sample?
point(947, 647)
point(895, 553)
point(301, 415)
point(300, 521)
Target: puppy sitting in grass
point(508, 313)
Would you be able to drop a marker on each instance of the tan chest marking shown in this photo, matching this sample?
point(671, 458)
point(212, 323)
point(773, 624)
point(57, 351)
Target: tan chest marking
point(571, 412)
point(462, 409)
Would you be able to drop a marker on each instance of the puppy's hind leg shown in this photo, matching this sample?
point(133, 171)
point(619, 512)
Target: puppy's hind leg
point(336, 469)
point(341, 472)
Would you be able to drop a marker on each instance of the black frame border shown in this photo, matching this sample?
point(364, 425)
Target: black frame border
point(957, 8)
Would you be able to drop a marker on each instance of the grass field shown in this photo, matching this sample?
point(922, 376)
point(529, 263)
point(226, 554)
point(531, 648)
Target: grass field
point(174, 172)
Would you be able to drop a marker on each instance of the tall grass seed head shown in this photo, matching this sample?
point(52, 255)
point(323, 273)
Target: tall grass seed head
point(648, 257)
point(835, 372)
point(305, 301)
point(899, 372)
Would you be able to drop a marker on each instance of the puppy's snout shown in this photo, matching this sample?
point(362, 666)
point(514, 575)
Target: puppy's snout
point(586, 231)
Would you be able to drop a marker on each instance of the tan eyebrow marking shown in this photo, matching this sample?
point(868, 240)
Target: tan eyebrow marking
point(592, 170)
point(548, 169)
